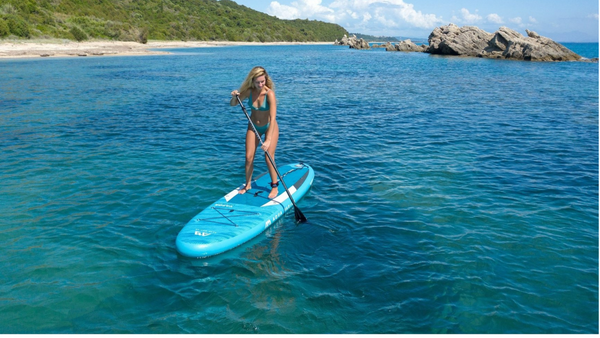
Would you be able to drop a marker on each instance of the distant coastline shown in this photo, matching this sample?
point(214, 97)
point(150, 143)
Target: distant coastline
point(52, 48)
point(19, 49)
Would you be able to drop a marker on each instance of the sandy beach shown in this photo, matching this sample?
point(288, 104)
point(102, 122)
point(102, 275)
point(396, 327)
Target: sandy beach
point(11, 49)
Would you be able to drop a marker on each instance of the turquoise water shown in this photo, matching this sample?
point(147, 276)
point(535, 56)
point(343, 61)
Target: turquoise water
point(452, 195)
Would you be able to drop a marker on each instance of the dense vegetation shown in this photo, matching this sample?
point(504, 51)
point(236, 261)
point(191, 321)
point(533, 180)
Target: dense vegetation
point(372, 38)
point(140, 20)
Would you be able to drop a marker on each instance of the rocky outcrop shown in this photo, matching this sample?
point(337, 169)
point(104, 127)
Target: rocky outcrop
point(509, 44)
point(473, 41)
point(503, 44)
point(342, 42)
point(452, 40)
point(360, 44)
point(353, 42)
point(405, 46)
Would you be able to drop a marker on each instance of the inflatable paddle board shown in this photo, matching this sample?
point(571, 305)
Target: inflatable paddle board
point(237, 218)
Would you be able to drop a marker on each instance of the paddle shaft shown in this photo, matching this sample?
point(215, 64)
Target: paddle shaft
point(299, 216)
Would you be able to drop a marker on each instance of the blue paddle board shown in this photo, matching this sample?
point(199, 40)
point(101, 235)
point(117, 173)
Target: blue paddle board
point(237, 218)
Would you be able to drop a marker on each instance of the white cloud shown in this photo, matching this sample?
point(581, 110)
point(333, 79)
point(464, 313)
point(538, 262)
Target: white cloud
point(593, 16)
point(415, 18)
point(283, 11)
point(519, 21)
point(468, 17)
point(532, 19)
point(381, 18)
point(367, 15)
point(495, 18)
point(301, 9)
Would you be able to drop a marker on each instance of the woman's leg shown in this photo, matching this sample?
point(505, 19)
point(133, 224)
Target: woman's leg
point(251, 144)
point(271, 150)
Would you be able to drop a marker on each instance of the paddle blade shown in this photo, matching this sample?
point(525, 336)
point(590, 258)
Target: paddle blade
point(299, 216)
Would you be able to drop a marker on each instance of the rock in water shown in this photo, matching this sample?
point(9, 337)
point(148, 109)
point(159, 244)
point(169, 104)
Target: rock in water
point(504, 43)
point(353, 42)
point(343, 42)
point(408, 46)
point(452, 40)
point(509, 44)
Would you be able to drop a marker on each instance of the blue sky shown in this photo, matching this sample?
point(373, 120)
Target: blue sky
point(564, 21)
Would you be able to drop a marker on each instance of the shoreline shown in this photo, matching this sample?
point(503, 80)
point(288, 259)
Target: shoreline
point(25, 49)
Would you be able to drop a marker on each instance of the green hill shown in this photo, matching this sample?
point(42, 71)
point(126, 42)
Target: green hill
point(372, 38)
point(140, 20)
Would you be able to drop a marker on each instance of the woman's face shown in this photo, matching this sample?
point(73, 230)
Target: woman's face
point(259, 82)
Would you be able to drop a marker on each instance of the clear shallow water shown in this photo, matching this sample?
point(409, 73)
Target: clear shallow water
point(452, 195)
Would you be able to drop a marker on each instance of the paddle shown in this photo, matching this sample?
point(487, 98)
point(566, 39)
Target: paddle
point(299, 216)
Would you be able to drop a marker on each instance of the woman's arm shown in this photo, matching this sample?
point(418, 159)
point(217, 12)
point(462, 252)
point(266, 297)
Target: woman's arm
point(243, 96)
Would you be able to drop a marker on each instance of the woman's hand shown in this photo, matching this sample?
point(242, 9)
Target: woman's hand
point(234, 95)
point(265, 145)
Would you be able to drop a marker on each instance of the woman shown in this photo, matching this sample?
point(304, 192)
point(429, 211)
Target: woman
point(259, 89)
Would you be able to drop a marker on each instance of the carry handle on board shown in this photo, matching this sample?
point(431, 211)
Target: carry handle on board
point(299, 216)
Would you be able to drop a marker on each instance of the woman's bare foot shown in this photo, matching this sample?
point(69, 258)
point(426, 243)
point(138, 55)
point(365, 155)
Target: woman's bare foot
point(244, 189)
point(274, 192)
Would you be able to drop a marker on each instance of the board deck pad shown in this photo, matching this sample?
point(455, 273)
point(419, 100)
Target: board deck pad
point(236, 218)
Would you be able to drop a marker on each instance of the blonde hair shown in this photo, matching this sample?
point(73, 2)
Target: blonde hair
point(253, 74)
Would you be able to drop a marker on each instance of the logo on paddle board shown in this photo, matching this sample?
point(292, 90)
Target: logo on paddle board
point(223, 205)
point(203, 233)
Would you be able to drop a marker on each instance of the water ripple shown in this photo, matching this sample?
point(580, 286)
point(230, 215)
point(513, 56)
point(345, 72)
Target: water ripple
point(465, 202)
